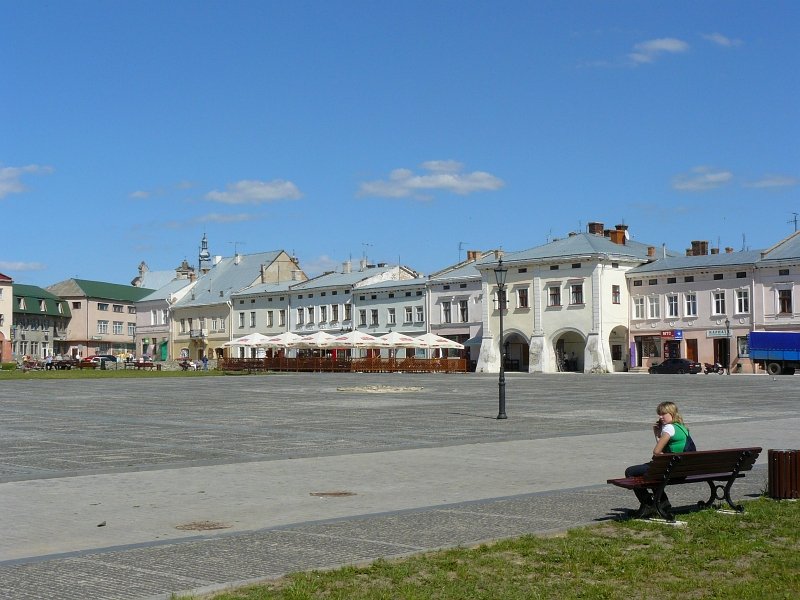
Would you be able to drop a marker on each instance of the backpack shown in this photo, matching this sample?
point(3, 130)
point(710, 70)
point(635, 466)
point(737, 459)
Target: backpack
point(689, 446)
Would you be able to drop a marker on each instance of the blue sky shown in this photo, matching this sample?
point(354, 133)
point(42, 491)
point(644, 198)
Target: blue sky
point(408, 131)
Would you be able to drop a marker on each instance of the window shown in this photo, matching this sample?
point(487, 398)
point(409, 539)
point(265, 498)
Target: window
point(282, 318)
point(691, 304)
point(241, 319)
point(323, 314)
point(463, 310)
point(102, 306)
point(717, 276)
point(783, 272)
point(390, 317)
point(743, 301)
point(576, 265)
point(554, 297)
point(522, 270)
point(688, 279)
point(117, 327)
point(183, 325)
point(420, 314)
point(672, 306)
point(638, 308)
point(653, 307)
point(270, 318)
point(615, 294)
point(445, 287)
point(576, 293)
point(334, 313)
point(164, 316)
point(652, 282)
point(554, 267)
point(222, 324)
point(741, 274)
point(672, 279)
point(153, 317)
point(719, 303)
point(409, 314)
point(522, 298)
point(102, 327)
point(785, 301)
point(117, 308)
point(637, 283)
point(310, 315)
point(362, 317)
point(252, 318)
point(131, 329)
point(215, 324)
point(446, 316)
point(742, 346)
point(348, 312)
point(42, 306)
point(374, 316)
point(76, 305)
point(301, 315)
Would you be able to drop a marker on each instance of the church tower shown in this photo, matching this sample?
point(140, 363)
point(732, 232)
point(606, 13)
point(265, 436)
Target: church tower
point(204, 257)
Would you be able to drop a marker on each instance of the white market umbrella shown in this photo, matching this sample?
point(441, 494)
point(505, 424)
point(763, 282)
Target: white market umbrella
point(252, 339)
point(400, 340)
point(318, 339)
point(283, 340)
point(357, 339)
point(431, 340)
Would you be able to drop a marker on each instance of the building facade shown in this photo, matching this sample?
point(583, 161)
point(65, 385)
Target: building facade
point(103, 317)
point(40, 323)
point(6, 316)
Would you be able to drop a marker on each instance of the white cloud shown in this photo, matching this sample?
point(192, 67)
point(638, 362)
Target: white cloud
point(648, 51)
point(256, 192)
point(320, 265)
point(21, 266)
point(442, 175)
point(773, 181)
point(218, 218)
point(701, 179)
point(722, 40)
point(11, 178)
point(140, 194)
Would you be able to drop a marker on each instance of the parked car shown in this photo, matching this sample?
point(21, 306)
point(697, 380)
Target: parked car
point(677, 365)
point(98, 358)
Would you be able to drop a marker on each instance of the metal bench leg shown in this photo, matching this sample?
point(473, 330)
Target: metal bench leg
point(720, 492)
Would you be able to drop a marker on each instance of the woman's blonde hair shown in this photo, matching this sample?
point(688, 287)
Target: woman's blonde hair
point(670, 408)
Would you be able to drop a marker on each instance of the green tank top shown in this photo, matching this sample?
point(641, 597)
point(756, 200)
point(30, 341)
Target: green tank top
point(678, 441)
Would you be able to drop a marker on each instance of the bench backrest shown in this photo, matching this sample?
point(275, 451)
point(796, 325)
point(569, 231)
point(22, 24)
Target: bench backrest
point(704, 462)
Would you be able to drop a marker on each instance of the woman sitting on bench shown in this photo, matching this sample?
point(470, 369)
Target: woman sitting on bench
point(671, 436)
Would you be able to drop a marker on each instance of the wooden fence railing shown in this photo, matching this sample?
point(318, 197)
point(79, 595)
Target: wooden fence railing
point(346, 365)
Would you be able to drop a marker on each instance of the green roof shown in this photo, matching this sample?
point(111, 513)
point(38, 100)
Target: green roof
point(100, 290)
point(33, 297)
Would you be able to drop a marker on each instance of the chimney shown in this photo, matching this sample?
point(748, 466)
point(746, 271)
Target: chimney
point(572, 234)
point(263, 273)
point(651, 251)
point(699, 248)
point(347, 266)
point(621, 227)
point(607, 233)
point(728, 250)
point(363, 264)
point(618, 236)
point(715, 251)
point(689, 252)
point(237, 259)
point(595, 228)
point(472, 255)
point(498, 254)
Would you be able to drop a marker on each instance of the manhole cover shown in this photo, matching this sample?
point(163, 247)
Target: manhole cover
point(202, 526)
point(331, 494)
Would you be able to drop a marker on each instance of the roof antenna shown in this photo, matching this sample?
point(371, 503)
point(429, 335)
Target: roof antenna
point(460, 248)
point(794, 220)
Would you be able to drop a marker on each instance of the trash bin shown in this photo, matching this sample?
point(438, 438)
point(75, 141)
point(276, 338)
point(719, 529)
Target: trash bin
point(784, 474)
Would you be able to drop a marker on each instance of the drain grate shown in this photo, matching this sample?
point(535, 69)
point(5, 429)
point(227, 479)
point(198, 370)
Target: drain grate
point(331, 494)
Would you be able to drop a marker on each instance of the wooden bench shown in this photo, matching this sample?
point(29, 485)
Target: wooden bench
point(144, 365)
point(718, 468)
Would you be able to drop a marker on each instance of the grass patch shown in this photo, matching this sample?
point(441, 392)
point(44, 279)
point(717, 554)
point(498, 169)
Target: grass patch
point(754, 555)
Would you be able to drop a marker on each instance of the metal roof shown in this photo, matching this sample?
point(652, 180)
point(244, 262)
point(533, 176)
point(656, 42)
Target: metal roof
point(33, 295)
point(226, 278)
point(98, 289)
point(706, 261)
point(395, 283)
point(579, 244)
point(334, 279)
point(167, 290)
point(787, 249)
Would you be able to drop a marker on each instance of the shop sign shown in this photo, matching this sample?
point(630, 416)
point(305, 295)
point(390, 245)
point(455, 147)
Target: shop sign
point(675, 334)
point(712, 333)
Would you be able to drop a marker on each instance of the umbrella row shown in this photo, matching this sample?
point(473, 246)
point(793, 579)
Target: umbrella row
point(351, 339)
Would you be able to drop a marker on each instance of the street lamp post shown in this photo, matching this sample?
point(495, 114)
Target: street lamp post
point(500, 273)
point(728, 351)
